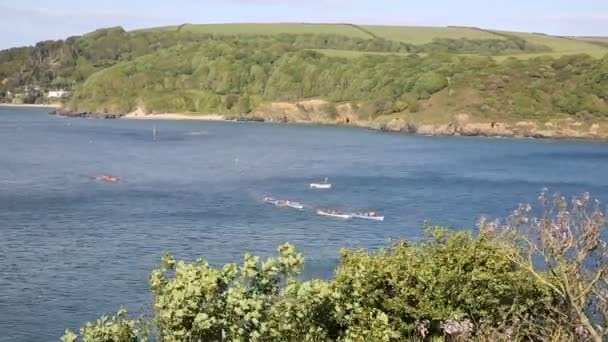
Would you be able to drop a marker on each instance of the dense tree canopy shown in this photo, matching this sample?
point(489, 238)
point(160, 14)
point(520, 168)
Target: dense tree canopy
point(204, 77)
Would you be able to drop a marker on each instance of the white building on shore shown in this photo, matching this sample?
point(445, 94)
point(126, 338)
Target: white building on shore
point(58, 93)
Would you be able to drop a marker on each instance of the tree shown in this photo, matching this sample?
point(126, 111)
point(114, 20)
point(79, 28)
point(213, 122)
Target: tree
point(244, 105)
point(564, 249)
point(431, 82)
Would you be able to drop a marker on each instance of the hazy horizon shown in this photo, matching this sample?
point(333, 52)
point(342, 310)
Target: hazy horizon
point(30, 21)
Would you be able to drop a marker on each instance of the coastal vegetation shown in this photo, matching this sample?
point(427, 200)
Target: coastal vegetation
point(214, 76)
point(525, 278)
point(370, 75)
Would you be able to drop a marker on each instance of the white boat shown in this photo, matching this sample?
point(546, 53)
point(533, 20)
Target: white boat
point(283, 203)
point(325, 185)
point(272, 201)
point(294, 205)
point(368, 216)
point(320, 186)
point(333, 213)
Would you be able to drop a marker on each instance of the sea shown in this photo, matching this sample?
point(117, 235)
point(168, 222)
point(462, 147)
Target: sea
point(73, 247)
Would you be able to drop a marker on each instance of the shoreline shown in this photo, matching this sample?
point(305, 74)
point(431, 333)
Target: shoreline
point(32, 105)
point(452, 129)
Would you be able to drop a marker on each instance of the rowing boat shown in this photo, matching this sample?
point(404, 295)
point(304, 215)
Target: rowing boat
point(272, 201)
point(294, 205)
point(332, 213)
point(108, 178)
point(283, 203)
point(368, 216)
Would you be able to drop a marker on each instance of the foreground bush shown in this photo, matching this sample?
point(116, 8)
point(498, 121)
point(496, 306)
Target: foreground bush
point(523, 279)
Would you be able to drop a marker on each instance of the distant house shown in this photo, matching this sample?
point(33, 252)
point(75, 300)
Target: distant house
point(58, 93)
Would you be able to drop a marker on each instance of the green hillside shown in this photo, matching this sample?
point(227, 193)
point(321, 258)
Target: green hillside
point(367, 73)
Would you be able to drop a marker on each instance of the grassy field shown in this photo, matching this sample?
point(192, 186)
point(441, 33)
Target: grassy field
point(423, 35)
point(592, 39)
point(356, 54)
point(271, 29)
point(416, 35)
point(601, 41)
point(561, 45)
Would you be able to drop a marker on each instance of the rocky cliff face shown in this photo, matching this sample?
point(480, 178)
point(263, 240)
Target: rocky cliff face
point(308, 111)
point(463, 126)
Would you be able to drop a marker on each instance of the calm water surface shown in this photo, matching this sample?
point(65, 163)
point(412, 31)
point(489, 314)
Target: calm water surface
point(72, 248)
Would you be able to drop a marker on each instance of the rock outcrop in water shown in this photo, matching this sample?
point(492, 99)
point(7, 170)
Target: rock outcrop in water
point(84, 114)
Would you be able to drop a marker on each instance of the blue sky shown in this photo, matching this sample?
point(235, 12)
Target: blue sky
point(24, 22)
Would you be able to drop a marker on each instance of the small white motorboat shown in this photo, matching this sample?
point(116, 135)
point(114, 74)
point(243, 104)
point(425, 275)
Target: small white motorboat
point(333, 213)
point(368, 216)
point(320, 186)
point(324, 185)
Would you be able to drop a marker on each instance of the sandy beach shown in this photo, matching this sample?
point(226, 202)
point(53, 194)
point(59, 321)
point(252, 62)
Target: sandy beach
point(174, 116)
point(140, 114)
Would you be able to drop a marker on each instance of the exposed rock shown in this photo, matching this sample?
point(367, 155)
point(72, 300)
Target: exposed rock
point(525, 124)
point(447, 129)
point(486, 129)
point(79, 114)
point(399, 125)
point(395, 125)
point(245, 118)
point(462, 117)
point(485, 108)
point(540, 134)
point(426, 129)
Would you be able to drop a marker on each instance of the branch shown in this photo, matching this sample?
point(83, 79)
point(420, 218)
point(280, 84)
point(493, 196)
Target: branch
point(539, 277)
point(587, 290)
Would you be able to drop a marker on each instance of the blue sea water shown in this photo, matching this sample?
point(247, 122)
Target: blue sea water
point(72, 248)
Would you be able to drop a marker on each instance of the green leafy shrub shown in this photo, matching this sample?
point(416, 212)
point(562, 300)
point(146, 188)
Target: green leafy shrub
point(451, 276)
point(433, 288)
point(117, 328)
point(569, 103)
point(430, 83)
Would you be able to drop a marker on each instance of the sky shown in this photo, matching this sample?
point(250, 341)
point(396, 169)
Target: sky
point(25, 22)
